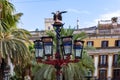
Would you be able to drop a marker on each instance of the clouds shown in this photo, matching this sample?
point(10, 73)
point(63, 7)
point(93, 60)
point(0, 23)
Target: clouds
point(109, 15)
point(94, 22)
point(77, 11)
point(106, 16)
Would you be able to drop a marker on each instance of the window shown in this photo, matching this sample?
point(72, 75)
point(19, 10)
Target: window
point(104, 44)
point(103, 60)
point(116, 74)
point(117, 43)
point(102, 74)
point(115, 58)
point(90, 43)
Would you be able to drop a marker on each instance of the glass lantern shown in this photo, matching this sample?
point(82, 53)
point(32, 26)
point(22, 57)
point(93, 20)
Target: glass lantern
point(78, 48)
point(48, 45)
point(38, 45)
point(67, 45)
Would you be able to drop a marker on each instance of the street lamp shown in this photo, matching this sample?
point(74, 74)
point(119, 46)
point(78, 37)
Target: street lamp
point(89, 75)
point(48, 46)
point(65, 45)
point(78, 48)
point(38, 45)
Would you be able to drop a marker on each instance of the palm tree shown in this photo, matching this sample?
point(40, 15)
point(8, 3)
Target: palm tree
point(71, 71)
point(13, 41)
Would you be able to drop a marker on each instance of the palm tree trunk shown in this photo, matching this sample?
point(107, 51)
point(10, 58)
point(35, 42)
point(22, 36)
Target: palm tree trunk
point(11, 67)
point(2, 67)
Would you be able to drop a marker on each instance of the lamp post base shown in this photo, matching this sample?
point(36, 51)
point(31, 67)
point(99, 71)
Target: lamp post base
point(88, 77)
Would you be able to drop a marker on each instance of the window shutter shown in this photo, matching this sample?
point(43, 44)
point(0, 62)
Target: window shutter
point(116, 41)
point(107, 60)
point(92, 43)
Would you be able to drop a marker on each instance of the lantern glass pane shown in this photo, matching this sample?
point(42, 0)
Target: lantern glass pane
point(48, 49)
point(36, 45)
point(67, 49)
point(78, 48)
point(78, 52)
point(36, 53)
point(40, 52)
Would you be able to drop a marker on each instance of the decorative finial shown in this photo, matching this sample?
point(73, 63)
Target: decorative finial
point(57, 17)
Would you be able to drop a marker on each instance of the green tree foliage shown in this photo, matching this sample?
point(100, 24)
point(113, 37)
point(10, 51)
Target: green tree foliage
point(13, 41)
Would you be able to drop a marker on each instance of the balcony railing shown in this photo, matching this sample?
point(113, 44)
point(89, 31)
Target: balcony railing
point(116, 65)
point(116, 78)
point(105, 50)
point(103, 65)
point(103, 78)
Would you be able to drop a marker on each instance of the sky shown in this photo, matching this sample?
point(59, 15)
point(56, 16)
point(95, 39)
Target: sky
point(88, 12)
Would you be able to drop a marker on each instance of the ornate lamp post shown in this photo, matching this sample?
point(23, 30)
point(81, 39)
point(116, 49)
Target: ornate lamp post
point(64, 45)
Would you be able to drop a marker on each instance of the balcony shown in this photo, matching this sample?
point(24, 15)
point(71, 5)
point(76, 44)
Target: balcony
point(116, 78)
point(103, 78)
point(116, 65)
point(104, 50)
point(103, 65)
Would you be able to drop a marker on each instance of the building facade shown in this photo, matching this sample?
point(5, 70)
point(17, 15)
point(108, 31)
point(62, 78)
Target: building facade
point(106, 39)
point(48, 23)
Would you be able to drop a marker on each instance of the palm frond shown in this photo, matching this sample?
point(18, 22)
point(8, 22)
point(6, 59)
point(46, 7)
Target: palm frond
point(89, 48)
point(87, 61)
point(45, 72)
point(79, 36)
point(17, 16)
point(3, 26)
point(21, 34)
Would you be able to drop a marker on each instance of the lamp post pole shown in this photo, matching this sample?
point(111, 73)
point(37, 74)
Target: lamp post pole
point(58, 25)
point(58, 56)
point(58, 29)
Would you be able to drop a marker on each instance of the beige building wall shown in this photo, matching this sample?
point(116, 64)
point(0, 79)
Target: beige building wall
point(96, 65)
point(110, 61)
point(48, 23)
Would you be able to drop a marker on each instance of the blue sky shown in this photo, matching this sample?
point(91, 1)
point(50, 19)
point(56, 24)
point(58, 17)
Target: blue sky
point(88, 12)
